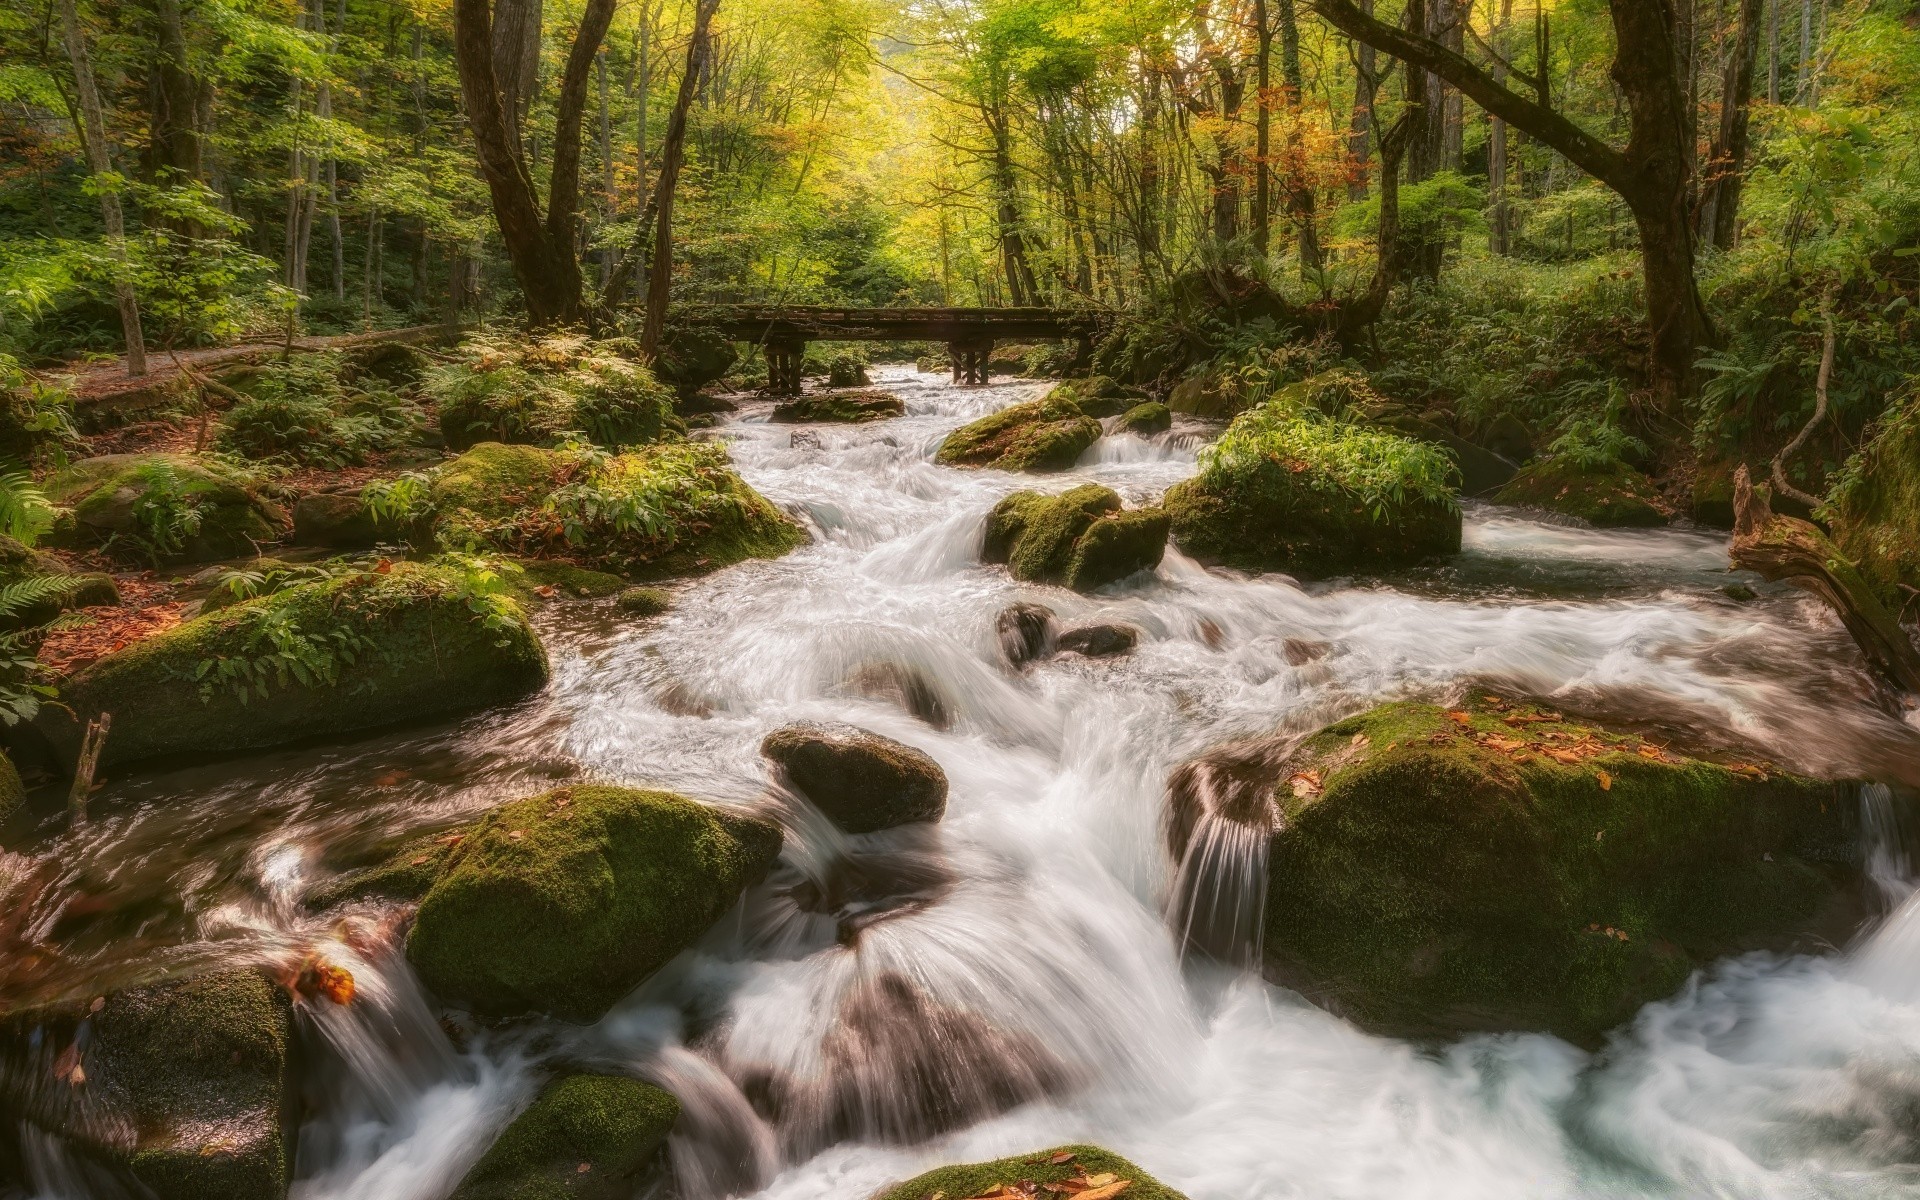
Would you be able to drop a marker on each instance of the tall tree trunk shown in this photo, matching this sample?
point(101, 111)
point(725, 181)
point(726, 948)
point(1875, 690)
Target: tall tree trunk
point(1300, 197)
point(606, 162)
point(1421, 250)
point(515, 47)
point(177, 99)
point(1263, 123)
point(99, 164)
point(1021, 285)
point(1360, 127)
point(1720, 197)
point(1500, 227)
point(672, 154)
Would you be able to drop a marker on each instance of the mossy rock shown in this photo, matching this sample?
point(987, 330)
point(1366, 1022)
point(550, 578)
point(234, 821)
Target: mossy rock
point(112, 499)
point(1289, 524)
point(1711, 501)
point(848, 408)
point(566, 580)
point(13, 792)
point(564, 902)
point(404, 875)
point(1211, 393)
point(1144, 419)
point(1611, 497)
point(863, 782)
point(83, 590)
point(1875, 514)
point(367, 649)
point(1498, 867)
point(493, 481)
point(183, 1085)
point(1041, 435)
point(644, 601)
point(1080, 539)
point(585, 1137)
point(342, 521)
point(1076, 1163)
point(1099, 395)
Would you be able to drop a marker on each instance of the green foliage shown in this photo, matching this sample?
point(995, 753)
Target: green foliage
point(402, 500)
point(1382, 471)
point(25, 511)
point(26, 684)
point(1592, 444)
point(36, 421)
point(506, 389)
point(302, 409)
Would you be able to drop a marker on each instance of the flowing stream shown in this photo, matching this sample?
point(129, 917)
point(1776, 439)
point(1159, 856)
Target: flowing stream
point(1012, 978)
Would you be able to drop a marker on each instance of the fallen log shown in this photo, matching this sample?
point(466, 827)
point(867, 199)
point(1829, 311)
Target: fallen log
point(1780, 547)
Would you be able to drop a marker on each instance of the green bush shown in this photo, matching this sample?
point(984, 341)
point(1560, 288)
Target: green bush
point(503, 389)
point(304, 410)
point(1378, 469)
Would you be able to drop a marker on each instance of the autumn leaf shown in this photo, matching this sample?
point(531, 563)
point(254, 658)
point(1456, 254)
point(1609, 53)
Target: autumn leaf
point(1305, 783)
point(1065, 1156)
point(1106, 1191)
point(1101, 1180)
point(1606, 781)
point(1459, 718)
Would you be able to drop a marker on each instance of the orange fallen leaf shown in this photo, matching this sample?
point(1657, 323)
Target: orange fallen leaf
point(1064, 1156)
point(516, 834)
point(1305, 783)
point(1504, 744)
point(1558, 755)
point(1606, 781)
point(1101, 1180)
point(1107, 1191)
point(1459, 718)
point(383, 567)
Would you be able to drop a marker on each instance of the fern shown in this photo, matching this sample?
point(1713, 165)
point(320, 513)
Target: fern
point(25, 512)
point(29, 593)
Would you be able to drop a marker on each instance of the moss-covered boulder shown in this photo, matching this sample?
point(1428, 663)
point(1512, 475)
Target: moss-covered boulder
point(556, 579)
point(342, 521)
point(585, 1137)
point(498, 388)
point(643, 601)
point(1710, 501)
point(1285, 489)
point(162, 508)
point(1499, 867)
point(182, 1085)
point(1875, 510)
point(563, 902)
point(862, 781)
point(1145, 419)
point(353, 652)
point(1609, 497)
point(1049, 434)
point(65, 589)
point(13, 792)
point(1098, 395)
point(847, 408)
point(1063, 1170)
point(669, 510)
point(1081, 539)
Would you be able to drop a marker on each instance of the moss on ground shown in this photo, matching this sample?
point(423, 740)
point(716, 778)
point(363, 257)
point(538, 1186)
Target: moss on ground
point(585, 1137)
point(843, 408)
point(1038, 1168)
point(1875, 510)
point(1048, 434)
point(162, 508)
point(1079, 539)
point(563, 902)
point(353, 652)
point(1499, 867)
point(1615, 496)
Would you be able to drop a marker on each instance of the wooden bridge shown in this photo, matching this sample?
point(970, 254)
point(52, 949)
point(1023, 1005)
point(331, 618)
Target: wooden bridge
point(782, 331)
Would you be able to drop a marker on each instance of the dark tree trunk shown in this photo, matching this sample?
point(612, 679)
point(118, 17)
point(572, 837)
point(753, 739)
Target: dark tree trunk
point(1300, 198)
point(1360, 127)
point(1720, 193)
point(672, 155)
point(1263, 123)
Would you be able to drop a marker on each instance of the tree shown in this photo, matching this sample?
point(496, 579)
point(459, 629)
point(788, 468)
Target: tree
point(1720, 198)
point(100, 165)
point(1651, 173)
point(672, 155)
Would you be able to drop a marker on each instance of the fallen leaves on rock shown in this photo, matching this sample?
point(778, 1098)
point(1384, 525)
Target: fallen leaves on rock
point(1102, 1186)
point(105, 629)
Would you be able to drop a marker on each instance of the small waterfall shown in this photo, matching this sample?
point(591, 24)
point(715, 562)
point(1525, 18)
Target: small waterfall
point(1883, 833)
point(720, 1146)
point(1889, 960)
point(1221, 819)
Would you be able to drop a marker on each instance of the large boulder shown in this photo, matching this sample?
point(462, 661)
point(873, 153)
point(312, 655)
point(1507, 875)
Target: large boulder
point(1085, 1171)
point(663, 511)
point(564, 902)
point(342, 521)
point(1875, 510)
point(1049, 434)
point(182, 1085)
point(357, 651)
point(162, 508)
point(846, 408)
point(541, 391)
point(1499, 867)
point(1608, 497)
point(585, 1137)
point(1081, 539)
point(1145, 419)
point(1287, 490)
point(862, 781)
point(66, 589)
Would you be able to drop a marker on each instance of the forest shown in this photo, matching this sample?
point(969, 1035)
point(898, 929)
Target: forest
point(959, 599)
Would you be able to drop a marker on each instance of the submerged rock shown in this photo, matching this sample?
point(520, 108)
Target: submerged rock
point(1025, 632)
point(864, 782)
point(1098, 641)
point(585, 1137)
point(1080, 539)
point(1048, 434)
point(354, 652)
point(1498, 867)
point(182, 1085)
point(904, 686)
point(1149, 418)
point(1614, 496)
point(162, 508)
point(564, 902)
point(1065, 1170)
point(842, 407)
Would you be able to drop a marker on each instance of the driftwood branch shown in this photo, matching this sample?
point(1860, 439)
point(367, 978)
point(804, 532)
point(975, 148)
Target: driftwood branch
point(1787, 451)
point(1781, 547)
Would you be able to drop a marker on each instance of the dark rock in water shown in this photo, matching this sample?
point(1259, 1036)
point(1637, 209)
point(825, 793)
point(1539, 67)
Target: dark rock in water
point(1499, 867)
point(1098, 641)
point(405, 875)
point(903, 686)
point(1062, 1170)
point(1739, 593)
point(586, 1137)
point(1048, 434)
point(1300, 651)
point(1509, 437)
point(182, 1085)
point(1025, 632)
point(564, 902)
point(340, 521)
point(862, 781)
point(1712, 494)
point(552, 578)
point(1614, 496)
point(843, 407)
point(1148, 418)
point(1081, 539)
point(864, 888)
point(694, 356)
point(704, 404)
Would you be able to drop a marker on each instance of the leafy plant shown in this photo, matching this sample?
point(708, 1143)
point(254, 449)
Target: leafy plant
point(279, 652)
point(403, 500)
point(1595, 444)
point(506, 389)
point(25, 682)
point(1378, 469)
point(168, 513)
point(25, 512)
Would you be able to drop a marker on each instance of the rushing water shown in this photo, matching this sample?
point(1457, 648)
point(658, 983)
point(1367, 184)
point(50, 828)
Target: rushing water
point(1012, 978)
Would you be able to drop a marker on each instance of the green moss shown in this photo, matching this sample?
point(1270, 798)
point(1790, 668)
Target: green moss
point(563, 902)
point(163, 508)
point(510, 389)
point(1442, 871)
point(13, 793)
point(353, 652)
point(958, 1182)
point(1151, 417)
point(406, 874)
point(862, 781)
point(1048, 434)
point(583, 1138)
point(1098, 395)
point(644, 601)
point(491, 482)
point(1116, 546)
point(1614, 496)
point(1875, 509)
point(1080, 539)
point(567, 579)
point(846, 408)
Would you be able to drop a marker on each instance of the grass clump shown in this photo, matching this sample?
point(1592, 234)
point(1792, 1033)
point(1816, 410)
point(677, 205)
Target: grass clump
point(544, 391)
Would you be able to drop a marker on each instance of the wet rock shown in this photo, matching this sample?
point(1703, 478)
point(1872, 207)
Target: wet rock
point(80, 590)
point(1099, 395)
point(1211, 393)
point(162, 508)
point(1041, 435)
point(862, 889)
point(1025, 632)
point(1615, 496)
point(403, 876)
point(564, 902)
point(342, 521)
point(841, 407)
point(1062, 1170)
point(13, 793)
point(1498, 867)
point(184, 1085)
point(585, 1137)
point(905, 687)
point(862, 781)
point(373, 648)
point(1080, 539)
point(1098, 641)
point(1739, 593)
point(644, 601)
point(1711, 497)
point(550, 579)
point(1300, 651)
point(704, 404)
point(1509, 437)
point(1144, 419)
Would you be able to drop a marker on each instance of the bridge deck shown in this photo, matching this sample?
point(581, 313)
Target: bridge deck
point(812, 322)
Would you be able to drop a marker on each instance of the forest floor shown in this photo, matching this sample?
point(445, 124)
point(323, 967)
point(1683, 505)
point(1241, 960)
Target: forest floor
point(99, 379)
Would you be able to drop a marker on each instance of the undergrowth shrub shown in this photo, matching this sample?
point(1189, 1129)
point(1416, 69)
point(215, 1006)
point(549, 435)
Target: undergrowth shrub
point(1380, 470)
point(304, 410)
point(504, 389)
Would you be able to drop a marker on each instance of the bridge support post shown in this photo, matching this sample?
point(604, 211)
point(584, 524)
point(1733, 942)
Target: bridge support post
point(970, 357)
point(783, 366)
